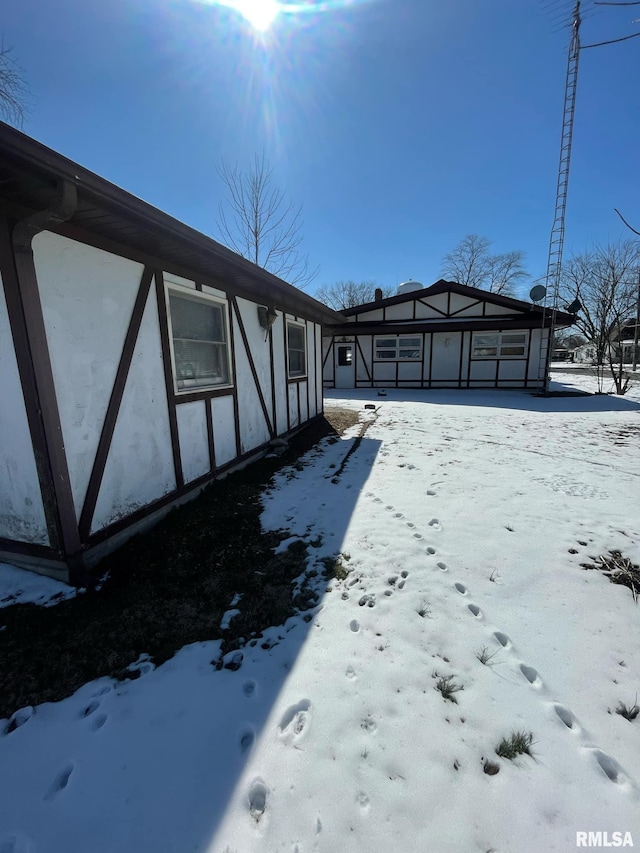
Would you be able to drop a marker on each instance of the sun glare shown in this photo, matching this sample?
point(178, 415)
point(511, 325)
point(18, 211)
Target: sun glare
point(260, 13)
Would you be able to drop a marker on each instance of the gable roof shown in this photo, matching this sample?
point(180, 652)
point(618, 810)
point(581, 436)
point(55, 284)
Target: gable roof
point(30, 179)
point(442, 286)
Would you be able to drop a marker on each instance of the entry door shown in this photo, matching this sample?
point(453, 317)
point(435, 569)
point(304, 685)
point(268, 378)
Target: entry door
point(345, 365)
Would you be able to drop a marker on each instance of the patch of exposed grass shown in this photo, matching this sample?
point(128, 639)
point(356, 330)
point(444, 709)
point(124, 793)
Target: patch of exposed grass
point(164, 589)
point(629, 712)
point(518, 743)
point(447, 686)
point(484, 655)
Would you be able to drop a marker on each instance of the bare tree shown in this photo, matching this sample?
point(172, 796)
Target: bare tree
point(348, 294)
point(472, 263)
point(604, 281)
point(13, 88)
point(258, 222)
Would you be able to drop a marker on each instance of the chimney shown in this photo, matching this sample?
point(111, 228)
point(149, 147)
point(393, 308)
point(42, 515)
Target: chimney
point(378, 294)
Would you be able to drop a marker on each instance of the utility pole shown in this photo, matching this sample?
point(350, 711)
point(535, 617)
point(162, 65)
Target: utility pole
point(635, 331)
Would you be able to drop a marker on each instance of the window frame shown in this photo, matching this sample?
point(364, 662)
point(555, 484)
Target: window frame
point(500, 345)
point(398, 347)
point(182, 292)
point(298, 324)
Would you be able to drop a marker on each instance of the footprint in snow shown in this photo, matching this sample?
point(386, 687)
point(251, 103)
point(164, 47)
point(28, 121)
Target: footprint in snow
point(350, 672)
point(392, 580)
point(61, 781)
point(608, 765)
point(410, 524)
point(404, 574)
point(257, 799)
point(461, 588)
point(567, 717)
point(401, 583)
point(418, 536)
point(435, 524)
point(531, 675)
point(369, 725)
point(398, 515)
point(296, 718)
point(431, 551)
point(504, 641)
point(247, 739)
point(19, 718)
point(354, 625)
point(388, 592)
point(475, 610)
point(431, 493)
point(369, 600)
point(16, 842)
point(363, 801)
point(249, 688)
point(91, 708)
point(442, 566)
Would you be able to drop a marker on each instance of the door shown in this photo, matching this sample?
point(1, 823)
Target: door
point(345, 365)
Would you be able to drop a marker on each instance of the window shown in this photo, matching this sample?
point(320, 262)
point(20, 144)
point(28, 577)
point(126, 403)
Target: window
point(499, 345)
point(345, 356)
point(200, 350)
point(398, 348)
point(296, 350)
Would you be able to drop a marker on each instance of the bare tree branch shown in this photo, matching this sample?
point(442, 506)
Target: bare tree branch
point(258, 222)
point(348, 294)
point(14, 91)
point(472, 264)
point(622, 217)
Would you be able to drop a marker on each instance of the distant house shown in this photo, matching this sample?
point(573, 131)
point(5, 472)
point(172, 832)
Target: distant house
point(444, 336)
point(139, 359)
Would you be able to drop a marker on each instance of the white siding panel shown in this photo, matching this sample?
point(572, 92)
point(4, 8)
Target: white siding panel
point(384, 372)
point(194, 442)
point(253, 427)
point(365, 358)
point(483, 370)
point(87, 299)
point(304, 411)
point(446, 355)
point(409, 370)
point(427, 312)
point(402, 311)
point(280, 373)
point(464, 303)
point(294, 413)
point(172, 278)
point(224, 429)
point(368, 316)
point(500, 310)
point(511, 369)
point(139, 466)
point(472, 311)
point(439, 301)
point(327, 358)
point(22, 515)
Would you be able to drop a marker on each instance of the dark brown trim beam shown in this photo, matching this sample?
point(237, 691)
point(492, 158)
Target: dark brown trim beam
point(113, 408)
point(168, 378)
point(254, 372)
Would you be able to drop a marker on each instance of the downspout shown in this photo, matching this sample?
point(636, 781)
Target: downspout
point(53, 471)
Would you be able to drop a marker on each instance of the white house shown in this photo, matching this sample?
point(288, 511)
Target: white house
point(444, 336)
point(139, 359)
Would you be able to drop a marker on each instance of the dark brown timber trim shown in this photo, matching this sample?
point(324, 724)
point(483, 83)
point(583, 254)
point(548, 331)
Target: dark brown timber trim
point(460, 365)
point(424, 343)
point(286, 369)
point(29, 549)
point(273, 382)
point(364, 361)
point(22, 237)
point(236, 407)
point(29, 389)
point(430, 359)
point(254, 372)
point(194, 396)
point(433, 307)
point(306, 343)
point(113, 408)
point(299, 409)
point(168, 378)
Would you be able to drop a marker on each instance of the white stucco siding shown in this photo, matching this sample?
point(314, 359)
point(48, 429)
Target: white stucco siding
point(364, 358)
point(427, 312)
point(402, 311)
point(87, 298)
point(537, 353)
point(465, 306)
point(439, 301)
point(446, 356)
point(311, 370)
point(409, 370)
point(500, 310)
point(483, 370)
point(139, 466)
point(224, 429)
point(327, 359)
point(253, 426)
point(384, 371)
point(194, 442)
point(368, 316)
point(511, 370)
point(294, 411)
point(22, 517)
point(280, 374)
point(172, 278)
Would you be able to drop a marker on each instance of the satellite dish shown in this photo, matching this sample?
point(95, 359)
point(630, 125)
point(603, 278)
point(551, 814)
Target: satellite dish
point(538, 293)
point(575, 306)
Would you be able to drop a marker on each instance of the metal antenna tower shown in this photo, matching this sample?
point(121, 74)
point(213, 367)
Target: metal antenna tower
point(556, 242)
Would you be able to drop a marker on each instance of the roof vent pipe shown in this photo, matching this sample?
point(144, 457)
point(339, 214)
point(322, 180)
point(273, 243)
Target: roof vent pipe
point(378, 294)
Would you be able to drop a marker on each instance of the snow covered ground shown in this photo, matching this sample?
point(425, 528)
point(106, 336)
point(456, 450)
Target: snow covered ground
point(463, 518)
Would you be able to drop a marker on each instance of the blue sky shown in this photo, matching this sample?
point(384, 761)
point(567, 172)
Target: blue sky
point(400, 125)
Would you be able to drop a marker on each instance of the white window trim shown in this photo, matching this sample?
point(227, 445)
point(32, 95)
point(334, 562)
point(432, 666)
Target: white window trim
point(303, 326)
point(499, 345)
point(197, 296)
point(398, 347)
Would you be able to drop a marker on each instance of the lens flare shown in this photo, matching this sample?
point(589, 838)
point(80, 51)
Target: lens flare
point(262, 13)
